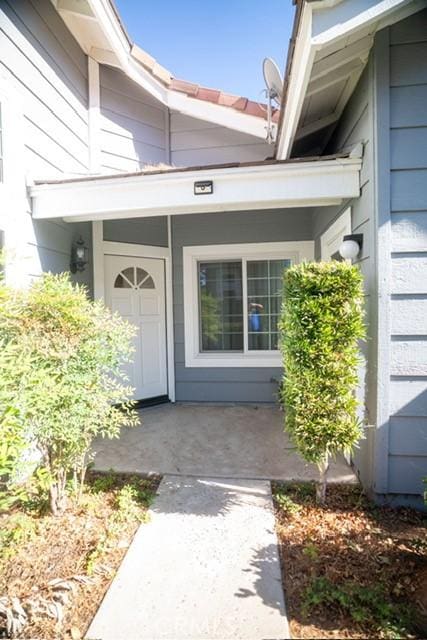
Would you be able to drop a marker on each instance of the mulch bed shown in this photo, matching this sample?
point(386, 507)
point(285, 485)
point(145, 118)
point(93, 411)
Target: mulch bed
point(57, 569)
point(351, 569)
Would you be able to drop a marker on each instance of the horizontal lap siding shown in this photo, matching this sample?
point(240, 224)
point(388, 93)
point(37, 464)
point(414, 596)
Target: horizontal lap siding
point(196, 142)
point(227, 384)
point(47, 71)
point(355, 126)
point(408, 142)
point(47, 68)
point(132, 124)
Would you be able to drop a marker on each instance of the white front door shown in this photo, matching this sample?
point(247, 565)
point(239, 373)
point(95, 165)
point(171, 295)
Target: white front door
point(135, 288)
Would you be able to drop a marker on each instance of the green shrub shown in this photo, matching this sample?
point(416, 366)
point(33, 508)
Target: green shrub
point(321, 323)
point(61, 378)
point(363, 604)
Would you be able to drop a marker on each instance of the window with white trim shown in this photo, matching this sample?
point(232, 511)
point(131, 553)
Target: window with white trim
point(224, 301)
point(233, 299)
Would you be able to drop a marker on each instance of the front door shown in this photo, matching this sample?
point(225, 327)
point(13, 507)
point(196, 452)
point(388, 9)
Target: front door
point(135, 288)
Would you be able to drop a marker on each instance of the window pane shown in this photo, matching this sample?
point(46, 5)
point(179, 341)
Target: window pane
point(265, 284)
point(277, 268)
point(259, 342)
point(121, 283)
point(220, 306)
point(257, 269)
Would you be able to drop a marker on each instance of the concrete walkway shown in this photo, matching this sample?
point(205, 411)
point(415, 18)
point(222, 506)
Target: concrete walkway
point(216, 441)
point(205, 568)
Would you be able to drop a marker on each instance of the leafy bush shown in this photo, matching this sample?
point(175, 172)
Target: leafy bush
point(321, 323)
point(61, 382)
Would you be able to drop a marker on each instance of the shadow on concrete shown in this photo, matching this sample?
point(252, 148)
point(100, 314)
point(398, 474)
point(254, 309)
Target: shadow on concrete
point(265, 565)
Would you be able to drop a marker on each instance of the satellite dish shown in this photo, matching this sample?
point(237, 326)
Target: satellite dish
point(274, 83)
point(273, 79)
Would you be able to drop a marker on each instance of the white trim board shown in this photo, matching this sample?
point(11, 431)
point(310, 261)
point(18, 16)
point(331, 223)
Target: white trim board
point(296, 251)
point(264, 186)
point(331, 239)
point(99, 32)
point(332, 29)
point(102, 248)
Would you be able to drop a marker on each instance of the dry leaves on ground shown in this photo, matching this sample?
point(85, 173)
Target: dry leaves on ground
point(351, 569)
point(54, 571)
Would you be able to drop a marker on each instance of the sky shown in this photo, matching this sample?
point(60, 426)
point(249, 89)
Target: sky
point(215, 43)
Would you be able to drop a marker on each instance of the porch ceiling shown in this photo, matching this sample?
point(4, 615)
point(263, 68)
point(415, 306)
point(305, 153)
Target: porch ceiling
point(241, 187)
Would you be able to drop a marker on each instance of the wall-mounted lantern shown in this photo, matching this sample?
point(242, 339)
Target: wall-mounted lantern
point(79, 256)
point(351, 246)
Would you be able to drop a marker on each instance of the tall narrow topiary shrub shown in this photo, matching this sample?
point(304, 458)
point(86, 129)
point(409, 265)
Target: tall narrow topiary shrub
point(321, 324)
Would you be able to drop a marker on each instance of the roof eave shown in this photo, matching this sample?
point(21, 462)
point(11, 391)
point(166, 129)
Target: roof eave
point(309, 38)
point(101, 33)
point(236, 188)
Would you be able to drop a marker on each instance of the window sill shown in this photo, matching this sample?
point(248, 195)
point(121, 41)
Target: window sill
point(235, 360)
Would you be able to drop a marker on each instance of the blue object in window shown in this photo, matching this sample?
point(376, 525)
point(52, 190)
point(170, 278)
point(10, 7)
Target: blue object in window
point(255, 320)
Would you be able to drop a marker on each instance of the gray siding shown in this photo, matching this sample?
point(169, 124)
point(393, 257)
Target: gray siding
point(196, 142)
point(356, 125)
point(43, 65)
point(150, 231)
point(49, 249)
point(407, 51)
point(133, 124)
point(227, 384)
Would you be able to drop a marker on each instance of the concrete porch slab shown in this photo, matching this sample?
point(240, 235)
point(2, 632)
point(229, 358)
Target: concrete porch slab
point(219, 441)
point(205, 568)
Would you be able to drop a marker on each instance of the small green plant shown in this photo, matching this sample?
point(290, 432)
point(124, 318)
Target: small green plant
point(61, 379)
point(20, 529)
point(285, 502)
point(321, 324)
point(100, 549)
point(130, 502)
point(104, 483)
point(363, 604)
point(310, 550)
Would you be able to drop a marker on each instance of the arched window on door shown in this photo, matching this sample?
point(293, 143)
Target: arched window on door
point(134, 278)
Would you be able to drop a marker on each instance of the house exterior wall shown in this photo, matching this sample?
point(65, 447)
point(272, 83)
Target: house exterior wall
point(149, 231)
point(44, 64)
point(196, 142)
point(133, 124)
point(230, 384)
point(43, 96)
point(401, 121)
point(356, 125)
point(388, 113)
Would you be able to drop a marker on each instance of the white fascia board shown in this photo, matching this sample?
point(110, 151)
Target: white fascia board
point(348, 17)
point(323, 24)
point(222, 116)
point(303, 59)
point(203, 110)
point(172, 193)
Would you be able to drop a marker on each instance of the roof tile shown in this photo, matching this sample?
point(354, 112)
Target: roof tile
point(235, 102)
point(239, 103)
point(185, 87)
point(210, 95)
